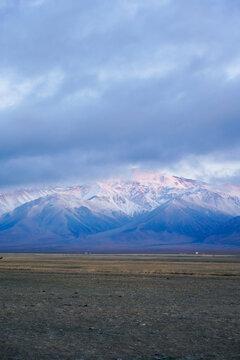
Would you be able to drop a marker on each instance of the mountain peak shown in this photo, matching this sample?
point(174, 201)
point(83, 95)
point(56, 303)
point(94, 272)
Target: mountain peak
point(163, 179)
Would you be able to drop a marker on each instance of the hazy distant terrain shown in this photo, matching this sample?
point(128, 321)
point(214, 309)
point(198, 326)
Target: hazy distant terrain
point(150, 211)
point(129, 307)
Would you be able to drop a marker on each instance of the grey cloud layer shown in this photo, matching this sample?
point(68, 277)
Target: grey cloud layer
point(90, 88)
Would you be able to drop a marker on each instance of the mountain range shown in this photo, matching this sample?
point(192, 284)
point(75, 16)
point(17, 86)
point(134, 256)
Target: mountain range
point(151, 211)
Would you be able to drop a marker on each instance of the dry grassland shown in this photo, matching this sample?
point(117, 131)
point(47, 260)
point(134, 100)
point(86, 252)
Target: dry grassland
point(200, 265)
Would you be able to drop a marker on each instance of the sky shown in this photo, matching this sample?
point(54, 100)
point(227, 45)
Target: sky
point(92, 89)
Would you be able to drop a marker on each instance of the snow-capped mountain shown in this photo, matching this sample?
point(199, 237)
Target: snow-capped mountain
point(151, 210)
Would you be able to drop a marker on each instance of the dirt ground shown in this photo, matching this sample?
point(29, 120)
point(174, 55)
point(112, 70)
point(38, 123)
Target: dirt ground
point(128, 307)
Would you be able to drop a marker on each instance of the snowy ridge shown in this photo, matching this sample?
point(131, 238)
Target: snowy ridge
point(9, 201)
point(145, 192)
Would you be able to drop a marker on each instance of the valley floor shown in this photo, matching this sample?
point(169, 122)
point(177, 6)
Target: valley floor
point(94, 307)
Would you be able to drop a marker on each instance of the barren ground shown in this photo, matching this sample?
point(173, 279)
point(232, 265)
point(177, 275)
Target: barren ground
point(119, 307)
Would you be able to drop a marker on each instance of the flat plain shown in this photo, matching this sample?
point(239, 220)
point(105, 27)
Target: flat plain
point(129, 307)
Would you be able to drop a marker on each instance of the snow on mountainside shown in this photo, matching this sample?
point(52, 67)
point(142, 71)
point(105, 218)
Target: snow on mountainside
point(9, 201)
point(232, 190)
point(148, 210)
point(144, 191)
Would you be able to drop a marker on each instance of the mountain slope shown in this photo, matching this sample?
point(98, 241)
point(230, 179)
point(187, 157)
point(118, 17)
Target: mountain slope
point(50, 218)
point(173, 223)
point(228, 234)
point(150, 210)
point(9, 201)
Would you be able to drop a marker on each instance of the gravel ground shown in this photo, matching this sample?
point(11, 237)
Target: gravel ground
point(87, 316)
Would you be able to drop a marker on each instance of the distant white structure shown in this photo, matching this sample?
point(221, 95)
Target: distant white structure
point(196, 253)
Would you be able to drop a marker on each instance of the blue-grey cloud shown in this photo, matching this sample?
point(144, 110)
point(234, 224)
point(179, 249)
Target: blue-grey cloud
point(88, 89)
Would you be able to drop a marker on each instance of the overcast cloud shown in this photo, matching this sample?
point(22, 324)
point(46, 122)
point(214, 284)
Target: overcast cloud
point(92, 88)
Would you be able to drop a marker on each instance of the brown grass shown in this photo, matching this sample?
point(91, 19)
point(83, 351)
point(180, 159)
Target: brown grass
point(208, 265)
